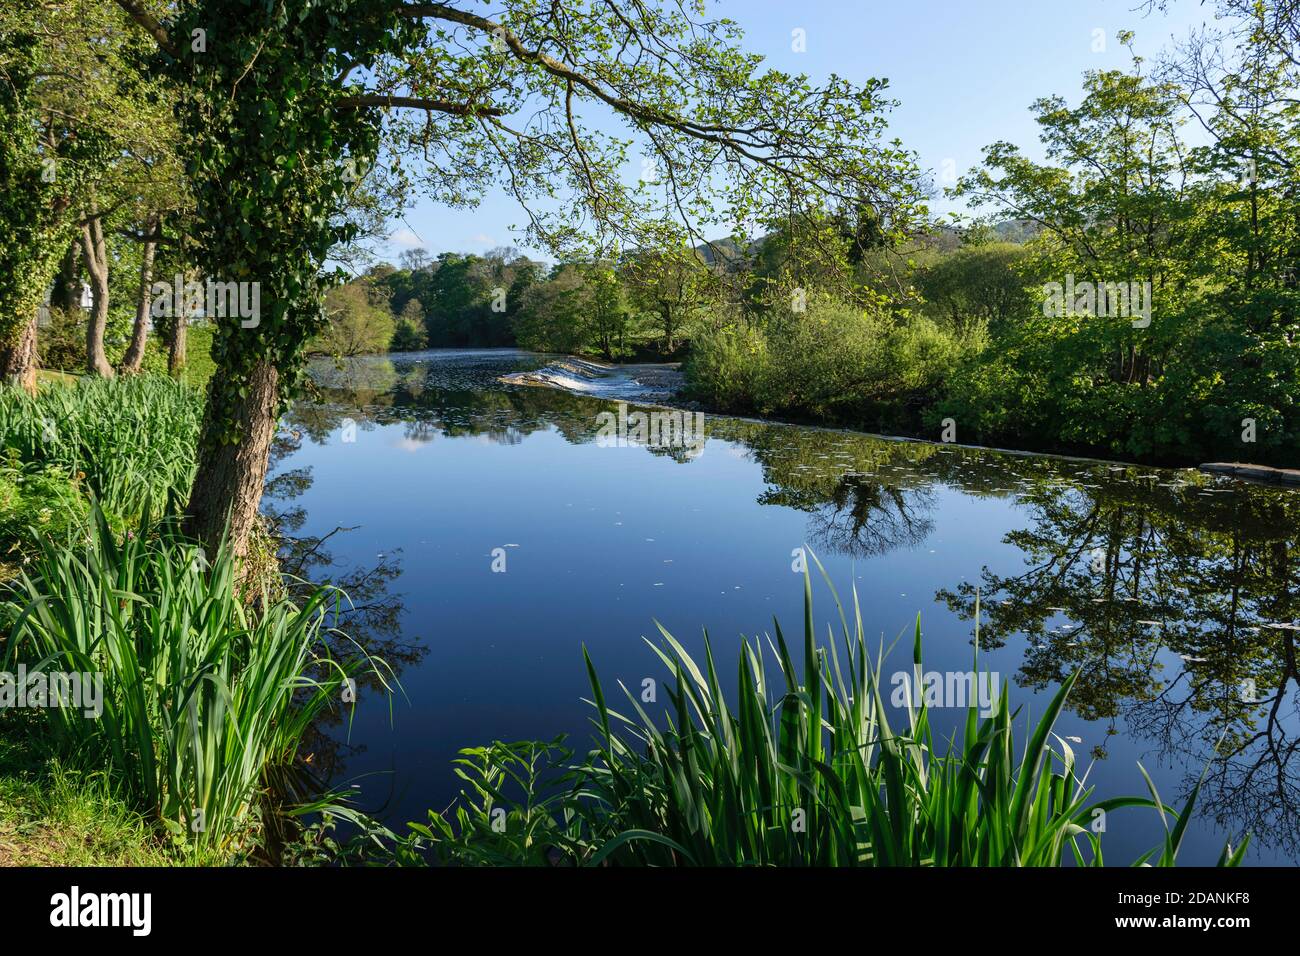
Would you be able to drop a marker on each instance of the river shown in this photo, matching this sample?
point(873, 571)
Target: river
point(491, 530)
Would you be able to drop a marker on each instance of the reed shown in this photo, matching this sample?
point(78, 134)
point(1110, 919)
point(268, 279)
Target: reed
point(204, 695)
point(131, 439)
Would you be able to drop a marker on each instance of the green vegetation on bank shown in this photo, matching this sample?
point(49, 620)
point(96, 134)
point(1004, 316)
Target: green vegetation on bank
point(204, 692)
point(211, 673)
point(1133, 295)
point(260, 162)
point(53, 813)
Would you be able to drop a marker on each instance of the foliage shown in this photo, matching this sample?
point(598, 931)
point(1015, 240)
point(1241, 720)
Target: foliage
point(131, 440)
point(977, 284)
point(202, 695)
point(54, 814)
point(356, 324)
point(34, 228)
point(1209, 372)
point(300, 156)
point(38, 498)
point(410, 334)
point(832, 362)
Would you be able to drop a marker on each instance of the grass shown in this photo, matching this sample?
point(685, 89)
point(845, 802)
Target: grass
point(807, 769)
point(52, 814)
point(208, 689)
point(130, 440)
point(205, 698)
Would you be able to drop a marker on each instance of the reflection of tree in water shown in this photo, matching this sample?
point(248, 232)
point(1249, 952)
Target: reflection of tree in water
point(865, 518)
point(1173, 591)
point(865, 496)
point(368, 611)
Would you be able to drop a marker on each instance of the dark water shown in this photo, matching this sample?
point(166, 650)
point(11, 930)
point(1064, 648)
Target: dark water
point(1165, 590)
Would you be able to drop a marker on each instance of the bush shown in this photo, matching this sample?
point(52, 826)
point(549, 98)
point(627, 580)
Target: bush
point(1052, 383)
point(832, 363)
point(409, 336)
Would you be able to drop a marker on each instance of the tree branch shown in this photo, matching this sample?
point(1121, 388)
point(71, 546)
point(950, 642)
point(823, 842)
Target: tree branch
point(150, 25)
point(419, 103)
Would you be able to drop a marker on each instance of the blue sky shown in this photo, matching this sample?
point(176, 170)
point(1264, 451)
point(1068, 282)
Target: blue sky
point(965, 73)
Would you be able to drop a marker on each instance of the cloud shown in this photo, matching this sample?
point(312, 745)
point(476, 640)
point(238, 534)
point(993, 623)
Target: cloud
point(482, 238)
point(406, 239)
point(411, 444)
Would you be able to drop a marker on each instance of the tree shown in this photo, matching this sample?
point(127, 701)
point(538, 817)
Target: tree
point(355, 323)
point(553, 316)
point(668, 281)
point(134, 356)
point(281, 111)
point(980, 283)
point(1115, 206)
point(89, 141)
point(609, 322)
point(410, 334)
point(38, 176)
point(413, 260)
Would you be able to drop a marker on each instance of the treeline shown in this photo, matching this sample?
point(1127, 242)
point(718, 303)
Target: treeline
point(645, 304)
point(1149, 307)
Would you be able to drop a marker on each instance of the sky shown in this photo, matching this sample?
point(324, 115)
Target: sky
point(965, 73)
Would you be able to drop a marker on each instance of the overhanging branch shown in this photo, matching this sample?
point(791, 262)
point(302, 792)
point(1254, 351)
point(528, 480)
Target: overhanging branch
point(419, 103)
point(151, 26)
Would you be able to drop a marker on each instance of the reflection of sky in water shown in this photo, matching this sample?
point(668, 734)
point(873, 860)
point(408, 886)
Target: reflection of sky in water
point(1148, 582)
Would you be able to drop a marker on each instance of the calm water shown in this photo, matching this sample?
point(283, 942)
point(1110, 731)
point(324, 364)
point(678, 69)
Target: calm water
point(1164, 589)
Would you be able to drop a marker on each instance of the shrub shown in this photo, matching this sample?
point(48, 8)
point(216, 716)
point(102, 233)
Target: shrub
point(832, 363)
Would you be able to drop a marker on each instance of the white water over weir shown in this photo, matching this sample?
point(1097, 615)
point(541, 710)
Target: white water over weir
point(645, 383)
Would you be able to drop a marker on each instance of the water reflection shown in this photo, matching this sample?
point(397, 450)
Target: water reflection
point(369, 609)
point(1175, 602)
point(1171, 593)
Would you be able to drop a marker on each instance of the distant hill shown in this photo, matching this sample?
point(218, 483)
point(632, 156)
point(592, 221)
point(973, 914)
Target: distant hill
point(727, 251)
point(1017, 230)
point(942, 236)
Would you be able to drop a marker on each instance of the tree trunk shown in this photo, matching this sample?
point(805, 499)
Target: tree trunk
point(228, 484)
point(18, 361)
point(96, 252)
point(67, 288)
point(176, 341)
point(134, 356)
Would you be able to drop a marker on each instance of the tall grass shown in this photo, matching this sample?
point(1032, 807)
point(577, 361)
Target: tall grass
point(131, 439)
point(807, 769)
point(203, 696)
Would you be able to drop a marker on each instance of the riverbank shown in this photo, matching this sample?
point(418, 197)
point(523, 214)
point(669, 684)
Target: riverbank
point(665, 385)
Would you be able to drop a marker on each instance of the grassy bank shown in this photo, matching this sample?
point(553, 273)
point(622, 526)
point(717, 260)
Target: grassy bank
point(52, 814)
point(210, 677)
point(211, 682)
